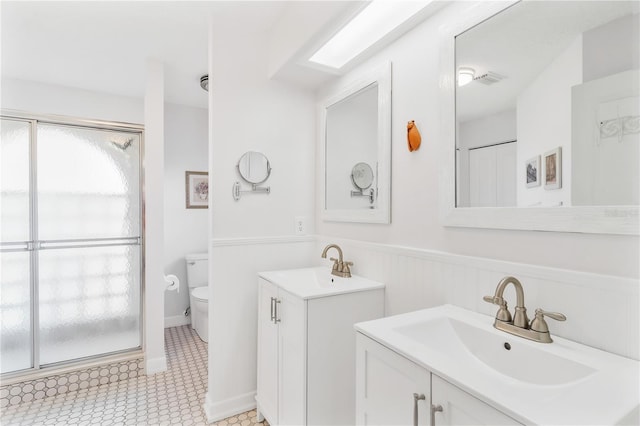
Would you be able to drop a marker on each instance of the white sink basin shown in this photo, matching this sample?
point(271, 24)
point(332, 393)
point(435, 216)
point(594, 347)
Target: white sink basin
point(562, 382)
point(309, 283)
point(501, 352)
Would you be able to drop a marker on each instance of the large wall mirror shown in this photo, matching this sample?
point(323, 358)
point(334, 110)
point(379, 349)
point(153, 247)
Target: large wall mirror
point(542, 117)
point(356, 141)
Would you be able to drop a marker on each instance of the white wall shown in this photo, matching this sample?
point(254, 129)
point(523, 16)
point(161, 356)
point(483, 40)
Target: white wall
point(415, 61)
point(40, 98)
point(488, 130)
point(153, 217)
point(620, 39)
point(185, 230)
point(249, 112)
point(544, 123)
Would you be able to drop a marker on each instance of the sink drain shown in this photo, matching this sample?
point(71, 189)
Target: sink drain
point(507, 346)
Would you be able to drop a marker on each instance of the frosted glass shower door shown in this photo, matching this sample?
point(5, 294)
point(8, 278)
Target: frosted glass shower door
point(89, 240)
point(15, 257)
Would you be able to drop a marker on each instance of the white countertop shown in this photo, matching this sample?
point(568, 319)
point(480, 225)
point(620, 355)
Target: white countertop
point(311, 283)
point(604, 396)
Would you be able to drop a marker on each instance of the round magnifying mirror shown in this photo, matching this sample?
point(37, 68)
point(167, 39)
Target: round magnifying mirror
point(362, 175)
point(254, 167)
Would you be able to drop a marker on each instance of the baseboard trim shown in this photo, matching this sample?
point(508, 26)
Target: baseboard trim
point(218, 410)
point(176, 321)
point(155, 365)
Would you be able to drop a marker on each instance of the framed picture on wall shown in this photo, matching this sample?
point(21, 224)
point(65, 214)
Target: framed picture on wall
point(197, 189)
point(533, 172)
point(553, 169)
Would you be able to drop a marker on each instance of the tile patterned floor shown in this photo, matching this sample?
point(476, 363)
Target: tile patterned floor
point(174, 397)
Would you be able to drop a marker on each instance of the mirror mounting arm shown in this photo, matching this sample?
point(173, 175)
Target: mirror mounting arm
point(370, 194)
point(254, 189)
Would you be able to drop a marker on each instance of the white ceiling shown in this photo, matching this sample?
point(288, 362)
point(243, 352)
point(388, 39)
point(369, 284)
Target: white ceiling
point(104, 45)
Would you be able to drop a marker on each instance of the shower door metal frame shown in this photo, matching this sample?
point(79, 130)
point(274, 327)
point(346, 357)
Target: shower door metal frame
point(34, 245)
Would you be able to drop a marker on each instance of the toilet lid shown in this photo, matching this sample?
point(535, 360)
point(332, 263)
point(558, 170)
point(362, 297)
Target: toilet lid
point(201, 293)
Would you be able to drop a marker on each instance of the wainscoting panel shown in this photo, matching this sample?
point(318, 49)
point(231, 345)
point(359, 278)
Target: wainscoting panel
point(233, 313)
point(602, 311)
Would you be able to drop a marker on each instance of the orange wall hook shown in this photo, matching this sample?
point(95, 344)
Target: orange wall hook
point(413, 136)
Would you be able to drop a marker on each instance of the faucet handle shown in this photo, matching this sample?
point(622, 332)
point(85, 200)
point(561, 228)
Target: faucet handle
point(336, 263)
point(540, 325)
point(347, 268)
point(503, 313)
point(555, 315)
point(495, 300)
point(490, 299)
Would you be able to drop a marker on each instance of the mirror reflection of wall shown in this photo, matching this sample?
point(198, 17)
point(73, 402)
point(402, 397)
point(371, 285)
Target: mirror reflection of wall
point(550, 75)
point(254, 167)
point(351, 137)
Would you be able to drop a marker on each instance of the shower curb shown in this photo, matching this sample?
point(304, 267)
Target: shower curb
point(83, 378)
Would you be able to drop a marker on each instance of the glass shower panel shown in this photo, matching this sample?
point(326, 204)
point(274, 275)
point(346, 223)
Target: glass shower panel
point(89, 301)
point(14, 180)
point(15, 311)
point(15, 233)
point(88, 183)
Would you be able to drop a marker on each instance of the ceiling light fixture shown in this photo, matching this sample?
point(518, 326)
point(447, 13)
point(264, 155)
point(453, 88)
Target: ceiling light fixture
point(465, 75)
point(375, 21)
point(204, 82)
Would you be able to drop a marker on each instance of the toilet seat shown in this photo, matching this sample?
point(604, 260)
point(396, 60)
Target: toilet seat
point(201, 294)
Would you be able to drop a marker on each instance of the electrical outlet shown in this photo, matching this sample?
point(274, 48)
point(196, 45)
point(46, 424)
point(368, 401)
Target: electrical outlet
point(301, 225)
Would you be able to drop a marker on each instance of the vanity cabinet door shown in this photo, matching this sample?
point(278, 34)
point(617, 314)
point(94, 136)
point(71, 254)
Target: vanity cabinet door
point(267, 391)
point(461, 408)
point(291, 359)
point(281, 356)
point(385, 386)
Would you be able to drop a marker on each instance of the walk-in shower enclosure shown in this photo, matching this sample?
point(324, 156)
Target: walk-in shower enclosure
point(70, 239)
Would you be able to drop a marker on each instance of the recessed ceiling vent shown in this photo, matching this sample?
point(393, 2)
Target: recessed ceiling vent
point(489, 78)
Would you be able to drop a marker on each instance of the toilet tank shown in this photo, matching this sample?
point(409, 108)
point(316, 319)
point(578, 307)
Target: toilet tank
point(197, 269)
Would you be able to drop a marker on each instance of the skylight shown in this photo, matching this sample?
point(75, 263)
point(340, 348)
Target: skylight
point(375, 21)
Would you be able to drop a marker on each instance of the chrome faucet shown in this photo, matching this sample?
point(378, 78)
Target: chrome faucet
point(537, 330)
point(340, 267)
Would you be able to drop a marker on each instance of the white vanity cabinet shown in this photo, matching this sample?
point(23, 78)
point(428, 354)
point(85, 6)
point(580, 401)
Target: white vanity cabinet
point(460, 408)
point(306, 345)
point(389, 390)
point(385, 386)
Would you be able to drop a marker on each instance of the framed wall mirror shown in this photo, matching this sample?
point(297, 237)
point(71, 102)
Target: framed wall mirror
point(355, 123)
point(541, 117)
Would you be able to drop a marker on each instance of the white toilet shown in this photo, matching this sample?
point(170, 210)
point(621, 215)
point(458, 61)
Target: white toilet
point(198, 281)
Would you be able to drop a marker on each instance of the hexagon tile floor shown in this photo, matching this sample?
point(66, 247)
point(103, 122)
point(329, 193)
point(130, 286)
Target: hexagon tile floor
point(174, 397)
